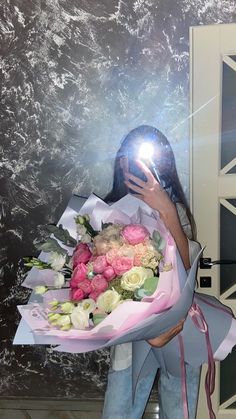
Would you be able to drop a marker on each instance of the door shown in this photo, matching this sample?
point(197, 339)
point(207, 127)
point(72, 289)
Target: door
point(213, 181)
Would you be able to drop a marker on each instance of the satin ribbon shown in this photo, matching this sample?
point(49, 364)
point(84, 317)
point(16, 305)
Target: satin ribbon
point(198, 319)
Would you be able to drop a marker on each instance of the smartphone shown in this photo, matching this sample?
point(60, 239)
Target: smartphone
point(136, 171)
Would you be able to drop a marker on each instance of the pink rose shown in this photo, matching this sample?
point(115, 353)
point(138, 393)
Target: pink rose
point(135, 233)
point(77, 294)
point(94, 295)
point(85, 286)
point(78, 275)
point(109, 273)
point(111, 254)
point(81, 254)
point(99, 283)
point(122, 264)
point(99, 264)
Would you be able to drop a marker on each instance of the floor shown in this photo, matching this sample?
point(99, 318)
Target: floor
point(84, 410)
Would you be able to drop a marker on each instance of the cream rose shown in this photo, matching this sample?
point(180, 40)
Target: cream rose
point(108, 300)
point(135, 278)
point(79, 318)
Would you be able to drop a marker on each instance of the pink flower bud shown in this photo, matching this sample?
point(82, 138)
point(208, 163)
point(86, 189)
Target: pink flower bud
point(109, 273)
point(99, 264)
point(81, 254)
point(77, 294)
point(78, 275)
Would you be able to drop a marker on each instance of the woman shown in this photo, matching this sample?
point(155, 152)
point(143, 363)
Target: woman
point(168, 199)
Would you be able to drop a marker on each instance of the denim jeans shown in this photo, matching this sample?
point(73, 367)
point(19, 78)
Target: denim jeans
point(118, 397)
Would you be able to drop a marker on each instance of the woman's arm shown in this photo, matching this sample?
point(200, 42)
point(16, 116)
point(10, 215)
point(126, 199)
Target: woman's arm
point(157, 198)
point(172, 222)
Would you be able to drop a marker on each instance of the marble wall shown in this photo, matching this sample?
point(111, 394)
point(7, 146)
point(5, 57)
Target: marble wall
point(76, 76)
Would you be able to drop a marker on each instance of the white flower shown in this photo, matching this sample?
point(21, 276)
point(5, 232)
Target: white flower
point(40, 289)
point(67, 307)
point(81, 229)
point(108, 300)
point(59, 280)
point(53, 304)
point(88, 305)
point(79, 318)
point(53, 317)
point(64, 320)
point(86, 238)
point(135, 278)
point(56, 260)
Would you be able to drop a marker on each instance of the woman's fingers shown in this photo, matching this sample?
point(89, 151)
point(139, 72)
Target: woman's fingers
point(137, 180)
point(149, 183)
point(166, 337)
point(145, 169)
point(134, 188)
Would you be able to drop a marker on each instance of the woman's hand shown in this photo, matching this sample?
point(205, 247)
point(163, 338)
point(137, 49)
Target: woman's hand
point(166, 337)
point(151, 192)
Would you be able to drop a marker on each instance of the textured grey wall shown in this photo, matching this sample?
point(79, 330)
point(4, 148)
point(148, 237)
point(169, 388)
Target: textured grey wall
point(77, 75)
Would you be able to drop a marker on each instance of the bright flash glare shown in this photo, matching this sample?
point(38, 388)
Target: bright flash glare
point(145, 151)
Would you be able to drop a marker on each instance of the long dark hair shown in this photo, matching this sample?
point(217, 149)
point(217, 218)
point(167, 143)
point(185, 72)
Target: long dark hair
point(164, 160)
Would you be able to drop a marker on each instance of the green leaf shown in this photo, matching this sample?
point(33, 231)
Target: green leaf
point(51, 245)
point(159, 242)
point(37, 263)
point(140, 293)
point(62, 234)
point(150, 284)
point(98, 318)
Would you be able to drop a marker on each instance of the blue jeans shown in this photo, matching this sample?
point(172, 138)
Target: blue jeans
point(118, 397)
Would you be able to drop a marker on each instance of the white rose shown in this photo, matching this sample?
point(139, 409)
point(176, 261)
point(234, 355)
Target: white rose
point(135, 278)
point(88, 305)
point(108, 300)
point(59, 280)
point(40, 289)
point(56, 260)
point(79, 318)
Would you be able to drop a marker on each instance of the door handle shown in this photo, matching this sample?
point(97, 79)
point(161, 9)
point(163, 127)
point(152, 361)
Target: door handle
point(207, 263)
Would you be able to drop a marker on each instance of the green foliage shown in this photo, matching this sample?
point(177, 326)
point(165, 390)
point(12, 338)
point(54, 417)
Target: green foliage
point(147, 289)
point(62, 234)
point(140, 293)
point(98, 318)
point(159, 242)
point(150, 284)
point(51, 245)
point(37, 263)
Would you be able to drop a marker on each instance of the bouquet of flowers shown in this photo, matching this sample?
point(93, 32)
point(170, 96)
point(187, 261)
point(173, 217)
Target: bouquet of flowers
point(107, 267)
point(106, 273)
